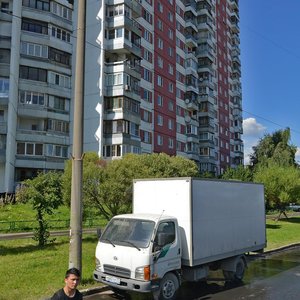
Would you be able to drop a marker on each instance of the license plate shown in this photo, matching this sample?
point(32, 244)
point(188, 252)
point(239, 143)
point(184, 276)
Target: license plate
point(112, 279)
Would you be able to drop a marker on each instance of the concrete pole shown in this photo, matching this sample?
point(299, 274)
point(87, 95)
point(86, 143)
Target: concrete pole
point(75, 251)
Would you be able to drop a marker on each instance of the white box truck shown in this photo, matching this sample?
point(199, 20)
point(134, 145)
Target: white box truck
point(179, 230)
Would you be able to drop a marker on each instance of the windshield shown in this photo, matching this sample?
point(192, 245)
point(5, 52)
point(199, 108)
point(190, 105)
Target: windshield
point(128, 232)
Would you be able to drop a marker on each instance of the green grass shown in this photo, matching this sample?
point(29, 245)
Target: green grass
point(31, 272)
point(283, 232)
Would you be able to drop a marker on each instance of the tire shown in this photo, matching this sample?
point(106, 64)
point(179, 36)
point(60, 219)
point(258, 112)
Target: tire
point(238, 274)
point(168, 288)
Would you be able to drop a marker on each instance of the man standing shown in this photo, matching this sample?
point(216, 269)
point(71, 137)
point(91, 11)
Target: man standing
point(69, 291)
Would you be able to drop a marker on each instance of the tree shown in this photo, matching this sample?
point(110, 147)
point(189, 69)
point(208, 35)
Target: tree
point(282, 185)
point(108, 186)
point(242, 173)
point(274, 148)
point(44, 193)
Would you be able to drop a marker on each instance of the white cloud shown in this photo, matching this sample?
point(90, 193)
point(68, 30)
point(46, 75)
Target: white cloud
point(252, 128)
point(253, 131)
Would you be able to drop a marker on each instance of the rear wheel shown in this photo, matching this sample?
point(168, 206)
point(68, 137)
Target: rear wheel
point(168, 288)
point(238, 274)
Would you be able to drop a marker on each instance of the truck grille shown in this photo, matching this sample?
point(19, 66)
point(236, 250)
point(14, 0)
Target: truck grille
point(117, 271)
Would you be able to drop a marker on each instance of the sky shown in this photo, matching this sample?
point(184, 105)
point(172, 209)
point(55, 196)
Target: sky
point(270, 64)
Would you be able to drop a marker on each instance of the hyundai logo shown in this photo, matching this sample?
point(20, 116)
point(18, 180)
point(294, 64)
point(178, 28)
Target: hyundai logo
point(115, 258)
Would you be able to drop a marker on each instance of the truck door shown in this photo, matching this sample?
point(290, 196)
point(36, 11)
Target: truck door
point(166, 249)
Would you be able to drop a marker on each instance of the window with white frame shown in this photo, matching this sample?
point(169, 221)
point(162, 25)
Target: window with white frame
point(114, 79)
point(171, 87)
point(61, 11)
point(33, 49)
point(147, 75)
point(58, 126)
point(170, 69)
point(60, 80)
point(159, 80)
point(159, 100)
point(160, 7)
point(171, 34)
point(170, 124)
point(147, 95)
point(147, 36)
point(160, 43)
point(171, 105)
point(160, 120)
point(160, 62)
point(61, 34)
point(29, 97)
point(171, 143)
point(160, 25)
point(159, 140)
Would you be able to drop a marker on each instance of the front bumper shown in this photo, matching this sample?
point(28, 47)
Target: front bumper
point(127, 283)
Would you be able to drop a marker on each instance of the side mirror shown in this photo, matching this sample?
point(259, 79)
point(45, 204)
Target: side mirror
point(99, 233)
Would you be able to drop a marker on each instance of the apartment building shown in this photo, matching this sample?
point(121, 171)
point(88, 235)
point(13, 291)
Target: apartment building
point(169, 80)
point(160, 76)
point(35, 88)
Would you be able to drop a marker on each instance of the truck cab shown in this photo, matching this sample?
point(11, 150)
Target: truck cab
point(136, 251)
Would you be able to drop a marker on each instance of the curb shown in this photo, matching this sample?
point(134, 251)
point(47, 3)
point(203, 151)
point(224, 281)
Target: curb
point(94, 290)
point(276, 250)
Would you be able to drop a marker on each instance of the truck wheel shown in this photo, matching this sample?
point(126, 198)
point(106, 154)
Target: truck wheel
point(238, 274)
point(168, 288)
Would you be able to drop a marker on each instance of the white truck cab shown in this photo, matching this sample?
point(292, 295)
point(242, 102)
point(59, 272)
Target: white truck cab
point(146, 246)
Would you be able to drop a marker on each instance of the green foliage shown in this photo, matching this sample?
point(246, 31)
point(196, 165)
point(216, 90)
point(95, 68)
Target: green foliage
point(274, 148)
point(282, 185)
point(44, 193)
point(108, 186)
point(242, 173)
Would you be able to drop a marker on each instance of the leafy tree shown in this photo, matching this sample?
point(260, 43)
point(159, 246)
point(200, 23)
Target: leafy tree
point(44, 193)
point(242, 173)
point(282, 185)
point(108, 186)
point(274, 148)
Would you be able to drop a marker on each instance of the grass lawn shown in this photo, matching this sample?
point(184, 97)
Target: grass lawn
point(30, 272)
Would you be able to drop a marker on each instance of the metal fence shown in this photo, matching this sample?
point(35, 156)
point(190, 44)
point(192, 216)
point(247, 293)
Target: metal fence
point(29, 225)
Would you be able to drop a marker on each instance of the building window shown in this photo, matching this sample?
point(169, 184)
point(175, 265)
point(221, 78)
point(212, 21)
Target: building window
point(33, 73)
point(61, 34)
point(60, 80)
point(159, 100)
point(58, 126)
point(29, 97)
point(147, 137)
point(171, 143)
point(160, 43)
point(147, 55)
point(57, 151)
point(160, 7)
point(134, 129)
point(35, 26)
point(30, 149)
point(159, 120)
point(147, 16)
point(147, 116)
point(34, 49)
point(147, 75)
point(37, 4)
point(171, 87)
point(60, 56)
point(147, 36)
point(160, 62)
point(61, 11)
point(159, 140)
point(160, 25)
point(4, 87)
point(170, 124)
point(159, 80)
point(147, 95)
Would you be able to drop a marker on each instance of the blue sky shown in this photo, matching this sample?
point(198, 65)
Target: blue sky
point(270, 58)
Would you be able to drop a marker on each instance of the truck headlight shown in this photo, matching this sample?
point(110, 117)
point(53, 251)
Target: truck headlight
point(142, 273)
point(98, 264)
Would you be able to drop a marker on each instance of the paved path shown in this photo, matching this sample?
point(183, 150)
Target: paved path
point(26, 235)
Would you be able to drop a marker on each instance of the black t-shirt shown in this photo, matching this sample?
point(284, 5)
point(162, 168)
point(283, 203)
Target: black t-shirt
point(60, 295)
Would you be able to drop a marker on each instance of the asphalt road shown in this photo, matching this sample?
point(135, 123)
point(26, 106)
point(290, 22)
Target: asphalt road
point(274, 277)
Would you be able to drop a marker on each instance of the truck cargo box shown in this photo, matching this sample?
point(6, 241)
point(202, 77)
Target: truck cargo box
point(217, 218)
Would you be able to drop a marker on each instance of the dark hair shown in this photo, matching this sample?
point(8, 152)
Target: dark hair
point(73, 271)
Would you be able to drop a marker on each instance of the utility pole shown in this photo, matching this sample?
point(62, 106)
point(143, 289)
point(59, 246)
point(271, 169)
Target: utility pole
point(75, 251)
